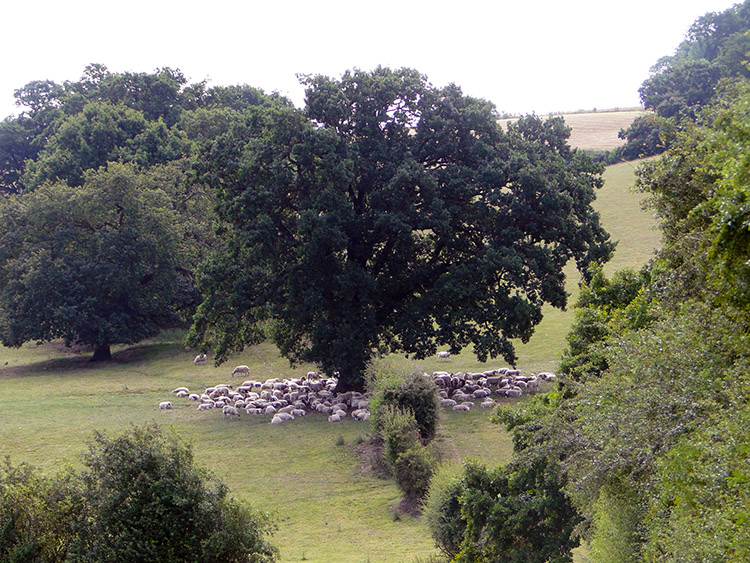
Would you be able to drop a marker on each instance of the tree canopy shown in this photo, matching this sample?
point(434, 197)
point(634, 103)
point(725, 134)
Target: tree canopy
point(94, 265)
point(104, 220)
point(391, 214)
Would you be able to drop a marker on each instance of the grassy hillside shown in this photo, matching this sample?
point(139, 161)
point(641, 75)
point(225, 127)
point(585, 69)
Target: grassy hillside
point(596, 130)
point(307, 473)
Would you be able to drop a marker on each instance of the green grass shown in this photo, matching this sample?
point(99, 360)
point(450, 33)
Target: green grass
point(327, 507)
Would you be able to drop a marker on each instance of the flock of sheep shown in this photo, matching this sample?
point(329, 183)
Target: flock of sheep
point(286, 399)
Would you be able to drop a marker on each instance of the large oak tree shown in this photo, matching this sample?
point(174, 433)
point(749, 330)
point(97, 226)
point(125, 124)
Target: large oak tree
point(391, 214)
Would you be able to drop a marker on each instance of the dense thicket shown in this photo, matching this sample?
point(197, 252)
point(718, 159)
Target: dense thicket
point(140, 498)
point(392, 215)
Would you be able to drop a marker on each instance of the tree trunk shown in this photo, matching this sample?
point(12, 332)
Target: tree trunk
point(349, 382)
point(102, 353)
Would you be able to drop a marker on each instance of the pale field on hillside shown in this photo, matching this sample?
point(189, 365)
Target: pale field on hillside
point(596, 130)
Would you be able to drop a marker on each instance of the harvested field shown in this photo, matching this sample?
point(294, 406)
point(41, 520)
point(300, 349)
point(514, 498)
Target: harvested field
point(597, 131)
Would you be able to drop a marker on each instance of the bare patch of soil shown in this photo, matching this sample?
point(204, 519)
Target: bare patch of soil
point(372, 462)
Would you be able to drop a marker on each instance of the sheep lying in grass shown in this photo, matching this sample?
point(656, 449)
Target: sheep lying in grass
point(200, 359)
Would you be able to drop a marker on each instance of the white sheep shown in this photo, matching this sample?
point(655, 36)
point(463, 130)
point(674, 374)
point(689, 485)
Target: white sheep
point(181, 390)
point(241, 369)
point(200, 359)
point(229, 411)
point(165, 405)
point(445, 355)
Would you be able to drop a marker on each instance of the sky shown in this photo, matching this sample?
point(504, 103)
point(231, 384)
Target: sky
point(525, 56)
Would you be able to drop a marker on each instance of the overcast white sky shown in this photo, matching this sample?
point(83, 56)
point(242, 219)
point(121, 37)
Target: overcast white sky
point(524, 55)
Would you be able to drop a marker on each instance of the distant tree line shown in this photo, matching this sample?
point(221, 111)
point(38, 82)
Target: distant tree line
point(713, 54)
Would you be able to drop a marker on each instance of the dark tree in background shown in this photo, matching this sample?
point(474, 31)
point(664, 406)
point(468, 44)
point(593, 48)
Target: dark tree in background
point(392, 215)
point(92, 265)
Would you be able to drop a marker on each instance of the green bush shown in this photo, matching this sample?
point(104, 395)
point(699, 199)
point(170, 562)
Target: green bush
point(399, 432)
point(408, 392)
point(146, 500)
point(36, 514)
point(443, 511)
point(413, 471)
point(141, 498)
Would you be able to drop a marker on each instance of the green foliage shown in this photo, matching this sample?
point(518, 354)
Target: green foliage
point(411, 463)
point(443, 510)
point(409, 392)
point(140, 498)
point(146, 500)
point(392, 214)
point(36, 514)
point(604, 308)
point(413, 472)
point(516, 513)
point(617, 525)
point(93, 265)
point(680, 86)
point(398, 430)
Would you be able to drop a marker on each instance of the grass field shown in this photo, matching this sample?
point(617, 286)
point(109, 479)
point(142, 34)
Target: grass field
point(306, 473)
point(596, 130)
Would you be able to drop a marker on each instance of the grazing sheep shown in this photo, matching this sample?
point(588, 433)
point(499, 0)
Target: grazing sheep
point(181, 390)
point(447, 403)
point(241, 369)
point(277, 420)
point(205, 406)
point(182, 394)
point(334, 418)
point(444, 355)
point(463, 407)
point(165, 405)
point(194, 397)
point(200, 359)
point(487, 404)
point(229, 411)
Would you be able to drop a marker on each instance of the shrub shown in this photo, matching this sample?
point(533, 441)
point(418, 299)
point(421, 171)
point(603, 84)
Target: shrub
point(413, 470)
point(146, 500)
point(443, 511)
point(399, 432)
point(409, 392)
point(36, 514)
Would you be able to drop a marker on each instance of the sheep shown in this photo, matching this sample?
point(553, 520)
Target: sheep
point(276, 420)
point(194, 397)
point(447, 403)
point(463, 407)
point(229, 411)
point(445, 355)
point(165, 405)
point(487, 404)
point(334, 418)
point(181, 390)
point(200, 359)
point(241, 369)
point(182, 394)
point(205, 406)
